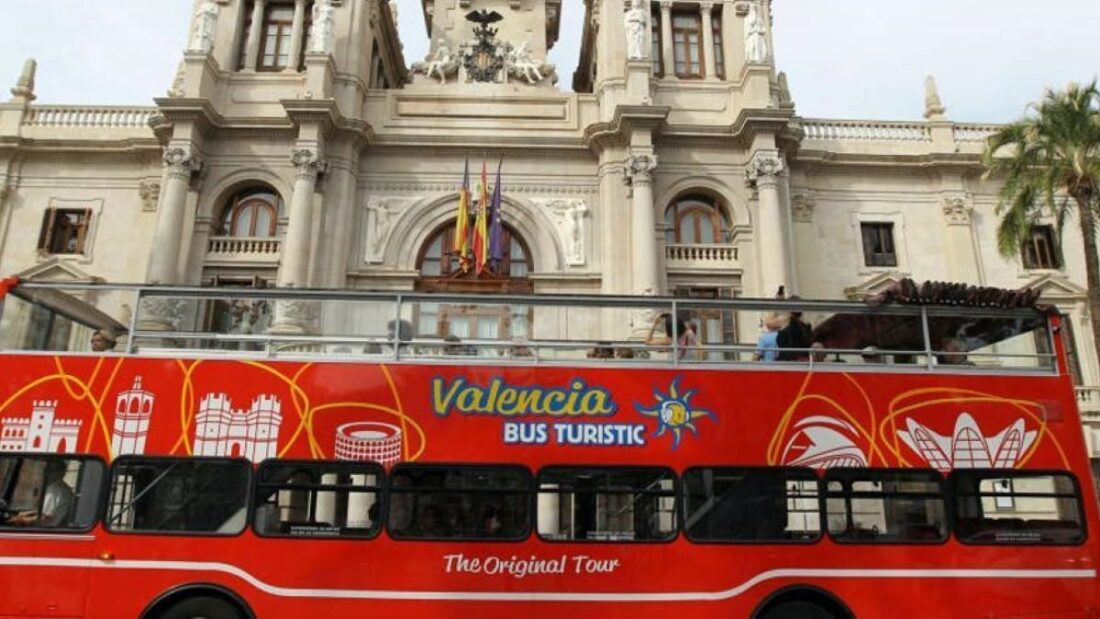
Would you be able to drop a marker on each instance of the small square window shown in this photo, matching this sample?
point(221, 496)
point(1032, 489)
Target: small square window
point(64, 231)
point(878, 245)
point(1040, 251)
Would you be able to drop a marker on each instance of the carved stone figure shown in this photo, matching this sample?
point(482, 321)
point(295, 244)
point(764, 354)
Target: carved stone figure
point(149, 190)
point(206, 25)
point(569, 216)
point(441, 62)
point(521, 65)
point(380, 226)
point(756, 35)
point(322, 39)
point(637, 25)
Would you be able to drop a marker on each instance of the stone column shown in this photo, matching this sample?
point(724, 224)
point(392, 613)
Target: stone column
point(771, 236)
point(668, 60)
point(297, 36)
point(294, 272)
point(962, 256)
point(705, 9)
point(255, 34)
point(639, 170)
point(180, 164)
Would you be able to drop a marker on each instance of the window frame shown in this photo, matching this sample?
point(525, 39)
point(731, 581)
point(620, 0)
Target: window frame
point(674, 493)
point(885, 235)
point(47, 235)
point(1038, 258)
point(268, 24)
point(685, 45)
point(689, 209)
point(250, 483)
point(719, 42)
point(812, 475)
point(657, 43)
point(1012, 474)
point(99, 499)
point(379, 490)
point(444, 466)
point(862, 474)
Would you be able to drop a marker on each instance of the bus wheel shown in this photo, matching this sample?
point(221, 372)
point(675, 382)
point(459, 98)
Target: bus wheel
point(202, 607)
point(798, 610)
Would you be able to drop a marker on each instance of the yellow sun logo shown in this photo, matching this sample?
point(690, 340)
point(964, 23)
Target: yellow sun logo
point(674, 412)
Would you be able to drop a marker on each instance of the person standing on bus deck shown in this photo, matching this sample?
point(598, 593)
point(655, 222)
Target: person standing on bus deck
point(795, 339)
point(684, 341)
point(767, 345)
point(57, 502)
point(103, 341)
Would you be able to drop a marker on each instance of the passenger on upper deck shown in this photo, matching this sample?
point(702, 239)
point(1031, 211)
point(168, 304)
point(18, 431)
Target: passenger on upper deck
point(684, 328)
point(796, 338)
point(103, 341)
point(767, 345)
point(953, 352)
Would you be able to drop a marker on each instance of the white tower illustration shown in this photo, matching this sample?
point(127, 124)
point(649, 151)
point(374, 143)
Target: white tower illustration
point(220, 430)
point(40, 432)
point(133, 409)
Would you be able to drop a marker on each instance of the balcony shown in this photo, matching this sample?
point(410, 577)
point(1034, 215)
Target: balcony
point(1088, 400)
point(243, 251)
point(706, 258)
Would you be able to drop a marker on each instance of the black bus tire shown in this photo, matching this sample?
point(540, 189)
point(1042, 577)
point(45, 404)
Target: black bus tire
point(798, 610)
point(202, 607)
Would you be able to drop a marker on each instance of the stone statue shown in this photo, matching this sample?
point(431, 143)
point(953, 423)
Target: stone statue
point(756, 35)
point(637, 25)
point(441, 62)
point(569, 218)
point(933, 105)
point(206, 25)
point(520, 65)
point(576, 217)
point(322, 39)
point(381, 227)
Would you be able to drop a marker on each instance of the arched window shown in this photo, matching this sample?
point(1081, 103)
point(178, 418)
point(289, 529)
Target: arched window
point(438, 261)
point(696, 220)
point(252, 214)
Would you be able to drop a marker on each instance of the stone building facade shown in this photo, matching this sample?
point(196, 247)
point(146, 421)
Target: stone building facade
point(298, 147)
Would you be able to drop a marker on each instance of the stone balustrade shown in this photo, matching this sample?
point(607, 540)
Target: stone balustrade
point(702, 256)
point(1088, 399)
point(88, 116)
point(866, 130)
point(243, 249)
point(974, 133)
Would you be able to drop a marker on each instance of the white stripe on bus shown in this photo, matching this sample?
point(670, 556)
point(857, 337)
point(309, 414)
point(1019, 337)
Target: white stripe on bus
point(488, 596)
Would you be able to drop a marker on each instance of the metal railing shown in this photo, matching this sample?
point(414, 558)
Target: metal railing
point(299, 327)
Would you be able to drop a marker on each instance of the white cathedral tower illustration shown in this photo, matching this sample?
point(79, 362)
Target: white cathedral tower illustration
point(133, 410)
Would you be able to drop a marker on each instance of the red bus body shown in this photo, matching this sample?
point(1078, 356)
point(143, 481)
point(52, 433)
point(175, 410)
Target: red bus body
point(453, 413)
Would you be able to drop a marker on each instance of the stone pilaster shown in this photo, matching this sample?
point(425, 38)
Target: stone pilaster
point(180, 164)
point(962, 256)
point(255, 33)
point(705, 9)
point(297, 36)
point(668, 59)
point(639, 172)
point(294, 271)
point(771, 235)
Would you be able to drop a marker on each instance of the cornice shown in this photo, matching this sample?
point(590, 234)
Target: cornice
point(939, 160)
point(627, 119)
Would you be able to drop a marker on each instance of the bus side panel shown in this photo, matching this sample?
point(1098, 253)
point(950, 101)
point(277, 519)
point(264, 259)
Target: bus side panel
point(43, 575)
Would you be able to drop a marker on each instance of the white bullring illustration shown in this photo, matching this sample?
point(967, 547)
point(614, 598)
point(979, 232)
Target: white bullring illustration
point(41, 432)
point(369, 441)
point(253, 433)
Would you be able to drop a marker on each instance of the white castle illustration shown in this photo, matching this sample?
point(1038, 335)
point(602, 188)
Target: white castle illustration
point(41, 432)
point(221, 430)
point(369, 441)
point(967, 447)
point(133, 409)
point(823, 442)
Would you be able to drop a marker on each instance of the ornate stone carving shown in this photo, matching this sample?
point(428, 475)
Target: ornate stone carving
point(381, 214)
point(308, 162)
point(294, 316)
point(802, 207)
point(160, 313)
point(957, 210)
point(483, 58)
point(756, 34)
point(441, 62)
point(206, 26)
point(323, 33)
point(636, 21)
point(639, 168)
point(177, 83)
point(569, 217)
point(519, 64)
point(149, 190)
point(933, 105)
point(181, 162)
point(24, 88)
point(764, 168)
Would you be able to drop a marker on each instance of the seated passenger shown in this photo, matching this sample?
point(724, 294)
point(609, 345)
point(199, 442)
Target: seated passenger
point(954, 352)
point(872, 356)
point(455, 348)
point(818, 353)
point(603, 350)
point(103, 340)
point(767, 345)
point(795, 339)
point(685, 339)
point(57, 503)
point(430, 523)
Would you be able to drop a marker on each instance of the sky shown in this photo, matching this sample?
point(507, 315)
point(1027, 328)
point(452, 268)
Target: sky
point(845, 58)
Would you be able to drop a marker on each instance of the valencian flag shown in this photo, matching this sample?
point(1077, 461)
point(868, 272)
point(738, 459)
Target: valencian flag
point(462, 222)
point(496, 251)
point(481, 223)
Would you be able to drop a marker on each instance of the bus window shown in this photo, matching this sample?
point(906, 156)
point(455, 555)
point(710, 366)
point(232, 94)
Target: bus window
point(318, 499)
point(48, 492)
point(615, 504)
point(867, 505)
point(751, 505)
point(178, 495)
point(1013, 507)
point(459, 502)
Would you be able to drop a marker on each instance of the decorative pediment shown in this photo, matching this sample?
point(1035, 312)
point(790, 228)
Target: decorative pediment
point(1057, 287)
point(57, 269)
point(873, 285)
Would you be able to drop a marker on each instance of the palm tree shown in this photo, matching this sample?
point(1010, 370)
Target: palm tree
point(1050, 164)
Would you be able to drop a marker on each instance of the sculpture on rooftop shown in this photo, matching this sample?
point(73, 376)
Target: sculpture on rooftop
point(324, 28)
point(637, 25)
point(206, 25)
point(756, 35)
point(441, 62)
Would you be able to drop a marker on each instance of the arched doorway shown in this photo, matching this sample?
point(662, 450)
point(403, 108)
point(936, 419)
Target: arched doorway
point(440, 270)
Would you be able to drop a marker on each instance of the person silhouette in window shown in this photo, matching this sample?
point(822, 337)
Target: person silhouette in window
point(57, 502)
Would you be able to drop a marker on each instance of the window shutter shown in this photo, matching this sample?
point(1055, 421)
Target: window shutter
point(82, 231)
point(868, 245)
point(45, 235)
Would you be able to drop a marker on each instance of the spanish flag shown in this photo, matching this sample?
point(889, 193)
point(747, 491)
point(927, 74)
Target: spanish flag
point(462, 222)
point(481, 224)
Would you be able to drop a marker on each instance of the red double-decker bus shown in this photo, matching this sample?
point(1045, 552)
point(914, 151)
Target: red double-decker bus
point(914, 461)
